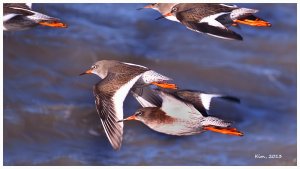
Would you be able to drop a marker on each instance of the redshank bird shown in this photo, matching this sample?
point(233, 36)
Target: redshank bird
point(117, 80)
point(214, 19)
point(184, 112)
point(19, 16)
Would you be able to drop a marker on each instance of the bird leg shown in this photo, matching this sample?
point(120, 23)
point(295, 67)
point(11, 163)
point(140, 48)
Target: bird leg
point(256, 22)
point(165, 85)
point(55, 24)
point(226, 130)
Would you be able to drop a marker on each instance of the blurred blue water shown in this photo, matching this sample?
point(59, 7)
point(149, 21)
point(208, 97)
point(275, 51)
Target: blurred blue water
point(49, 112)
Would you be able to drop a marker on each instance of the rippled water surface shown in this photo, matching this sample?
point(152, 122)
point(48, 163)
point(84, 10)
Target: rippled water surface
point(49, 113)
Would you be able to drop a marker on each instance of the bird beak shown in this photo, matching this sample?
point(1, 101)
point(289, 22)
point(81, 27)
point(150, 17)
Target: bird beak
point(163, 16)
point(146, 7)
point(86, 72)
point(133, 117)
point(56, 24)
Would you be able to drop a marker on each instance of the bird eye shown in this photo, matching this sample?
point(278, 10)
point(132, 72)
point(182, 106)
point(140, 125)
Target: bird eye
point(139, 113)
point(174, 9)
point(94, 67)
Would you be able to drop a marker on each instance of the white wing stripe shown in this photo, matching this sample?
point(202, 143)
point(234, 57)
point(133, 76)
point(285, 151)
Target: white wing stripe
point(230, 6)
point(211, 20)
point(131, 64)
point(8, 17)
point(206, 99)
point(29, 5)
point(120, 96)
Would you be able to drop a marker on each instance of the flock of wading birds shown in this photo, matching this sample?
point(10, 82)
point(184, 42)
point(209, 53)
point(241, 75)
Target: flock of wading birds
point(165, 108)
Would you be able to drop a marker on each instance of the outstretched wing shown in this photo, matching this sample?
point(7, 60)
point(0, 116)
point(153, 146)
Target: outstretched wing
point(17, 9)
point(176, 107)
point(207, 23)
point(216, 31)
point(201, 101)
point(146, 96)
point(11, 10)
point(17, 5)
point(110, 94)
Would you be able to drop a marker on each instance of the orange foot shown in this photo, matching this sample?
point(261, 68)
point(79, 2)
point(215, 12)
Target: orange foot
point(230, 131)
point(256, 22)
point(55, 24)
point(165, 85)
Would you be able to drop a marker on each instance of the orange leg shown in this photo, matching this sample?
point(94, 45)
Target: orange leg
point(165, 85)
point(55, 24)
point(230, 131)
point(256, 22)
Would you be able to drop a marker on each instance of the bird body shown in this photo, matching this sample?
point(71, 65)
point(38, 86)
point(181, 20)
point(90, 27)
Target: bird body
point(184, 112)
point(118, 78)
point(20, 16)
point(211, 18)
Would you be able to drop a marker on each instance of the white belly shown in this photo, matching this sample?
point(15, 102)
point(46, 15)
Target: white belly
point(179, 128)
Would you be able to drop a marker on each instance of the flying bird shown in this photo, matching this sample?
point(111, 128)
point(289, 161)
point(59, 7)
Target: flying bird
point(182, 112)
point(214, 19)
point(20, 16)
point(118, 78)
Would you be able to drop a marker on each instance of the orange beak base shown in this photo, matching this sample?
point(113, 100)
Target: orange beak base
point(86, 72)
point(168, 14)
point(133, 117)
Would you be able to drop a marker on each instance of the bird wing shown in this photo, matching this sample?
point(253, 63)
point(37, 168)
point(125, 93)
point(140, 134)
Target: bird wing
point(17, 9)
point(17, 5)
point(176, 107)
point(219, 32)
point(146, 96)
point(29, 5)
point(200, 100)
point(207, 24)
point(11, 10)
point(110, 94)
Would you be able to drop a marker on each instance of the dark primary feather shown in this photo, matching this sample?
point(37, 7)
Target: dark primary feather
point(231, 98)
point(208, 29)
point(8, 8)
point(18, 5)
point(148, 94)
